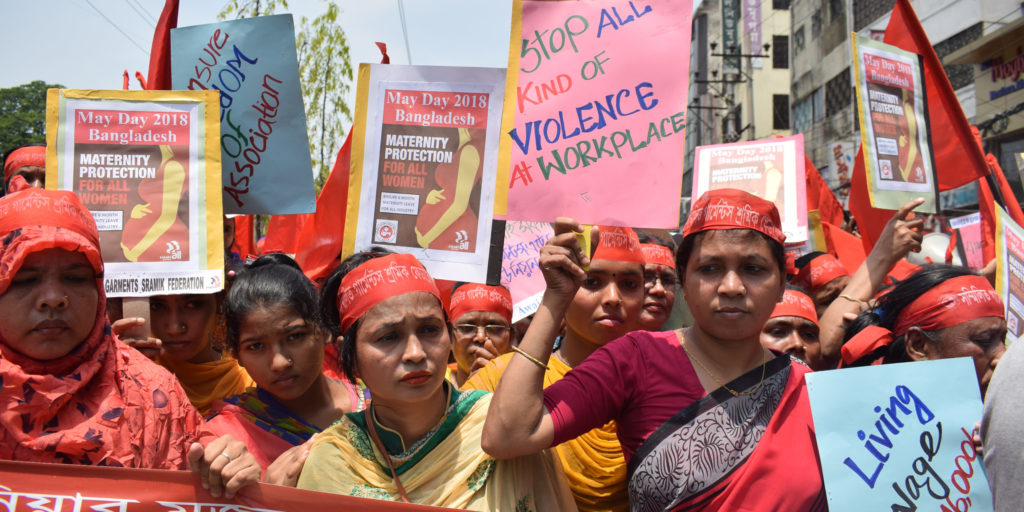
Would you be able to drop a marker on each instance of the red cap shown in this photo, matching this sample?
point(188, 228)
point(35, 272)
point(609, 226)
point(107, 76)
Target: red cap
point(796, 304)
point(728, 208)
point(820, 271)
point(658, 255)
point(480, 297)
point(22, 157)
point(618, 244)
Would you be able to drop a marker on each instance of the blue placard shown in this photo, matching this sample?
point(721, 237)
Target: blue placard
point(899, 436)
point(264, 144)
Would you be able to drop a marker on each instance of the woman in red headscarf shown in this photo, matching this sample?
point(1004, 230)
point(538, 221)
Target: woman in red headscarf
point(793, 327)
point(71, 393)
point(707, 418)
point(29, 162)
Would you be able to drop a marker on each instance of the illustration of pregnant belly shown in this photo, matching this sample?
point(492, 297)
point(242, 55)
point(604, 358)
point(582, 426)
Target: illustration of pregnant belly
point(153, 231)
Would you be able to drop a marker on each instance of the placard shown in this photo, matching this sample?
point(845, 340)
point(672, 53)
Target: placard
point(1010, 272)
point(519, 270)
point(65, 488)
point(772, 169)
point(900, 436)
point(596, 124)
point(893, 116)
point(146, 164)
point(424, 163)
point(263, 139)
point(969, 239)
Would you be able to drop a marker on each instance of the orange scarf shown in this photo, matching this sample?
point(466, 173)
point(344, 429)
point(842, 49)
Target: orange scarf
point(206, 382)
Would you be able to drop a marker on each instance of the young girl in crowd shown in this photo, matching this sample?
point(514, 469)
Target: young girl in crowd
point(71, 393)
point(793, 327)
point(482, 319)
point(939, 312)
point(274, 330)
point(419, 439)
point(705, 415)
point(607, 306)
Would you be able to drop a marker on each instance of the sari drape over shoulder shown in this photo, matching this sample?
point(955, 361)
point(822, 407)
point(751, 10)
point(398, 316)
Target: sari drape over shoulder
point(593, 462)
point(206, 382)
point(445, 468)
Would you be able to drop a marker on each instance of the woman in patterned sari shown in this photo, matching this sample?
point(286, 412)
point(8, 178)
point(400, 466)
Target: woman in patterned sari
point(707, 418)
point(419, 439)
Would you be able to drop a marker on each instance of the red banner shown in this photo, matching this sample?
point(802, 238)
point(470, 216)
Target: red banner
point(27, 486)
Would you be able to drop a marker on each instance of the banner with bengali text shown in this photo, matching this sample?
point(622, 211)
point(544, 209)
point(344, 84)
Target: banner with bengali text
point(595, 115)
point(146, 165)
point(519, 270)
point(252, 62)
point(904, 440)
point(1010, 272)
point(30, 486)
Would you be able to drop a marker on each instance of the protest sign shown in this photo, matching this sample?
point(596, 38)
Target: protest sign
point(519, 270)
point(263, 137)
point(424, 161)
point(904, 440)
point(146, 164)
point(771, 169)
point(1010, 272)
point(894, 126)
point(596, 127)
point(65, 487)
point(840, 168)
point(968, 232)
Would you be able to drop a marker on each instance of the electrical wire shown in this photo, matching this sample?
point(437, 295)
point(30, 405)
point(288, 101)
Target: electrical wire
point(123, 33)
point(140, 13)
point(405, 30)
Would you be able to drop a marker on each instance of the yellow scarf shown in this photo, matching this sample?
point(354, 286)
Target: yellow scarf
point(206, 382)
point(447, 468)
point(593, 462)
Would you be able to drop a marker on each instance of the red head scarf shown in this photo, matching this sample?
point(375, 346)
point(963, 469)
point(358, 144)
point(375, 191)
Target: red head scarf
point(618, 244)
point(379, 279)
point(480, 297)
point(658, 255)
point(21, 157)
point(796, 304)
point(103, 403)
point(951, 302)
point(728, 208)
point(819, 272)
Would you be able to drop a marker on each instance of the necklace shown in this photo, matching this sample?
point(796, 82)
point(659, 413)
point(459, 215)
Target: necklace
point(764, 368)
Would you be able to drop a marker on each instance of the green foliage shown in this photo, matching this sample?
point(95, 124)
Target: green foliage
point(23, 114)
point(325, 72)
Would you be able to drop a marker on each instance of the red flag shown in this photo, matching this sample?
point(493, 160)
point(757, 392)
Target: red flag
point(283, 233)
point(243, 236)
point(845, 246)
point(160, 53)
point(385, 58)
point(986, 207)
point(870, 221)
point(820, 196)
point(1011, 205)
point(958, 160)
point(319, 243)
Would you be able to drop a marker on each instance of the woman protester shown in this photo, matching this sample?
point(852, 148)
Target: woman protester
point(707, 418)
point(481, 316)
point(419, 439)
point(608, 305)
point(660, 280)
point(275, 333)
point(72, 393)
point(793, 327)
point(939, 312)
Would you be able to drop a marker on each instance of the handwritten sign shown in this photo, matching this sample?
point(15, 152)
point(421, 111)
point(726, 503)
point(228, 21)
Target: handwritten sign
point(969, 239)
point(596, 127)
point(519, 270)
point(66, 488)
point(424, 161)
point(771, 169)
point(1010, 272)
point(252, 63)
point(894, 126)
point(840, 168)
point(904, 440)
point(143, 162)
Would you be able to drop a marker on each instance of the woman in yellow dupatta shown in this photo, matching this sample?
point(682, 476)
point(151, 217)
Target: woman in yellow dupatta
point(419, 440)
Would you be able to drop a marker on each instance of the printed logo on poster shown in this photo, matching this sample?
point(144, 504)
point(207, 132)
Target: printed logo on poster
point(387, 231)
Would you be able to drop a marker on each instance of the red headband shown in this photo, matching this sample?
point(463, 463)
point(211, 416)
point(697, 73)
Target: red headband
point(820, 271)
point(728, 208)
point(658, 255)
point(480, 297)
point(796, 304)
point(378, 279)
point(22, 157)
point(618, 244)
point(951, 302)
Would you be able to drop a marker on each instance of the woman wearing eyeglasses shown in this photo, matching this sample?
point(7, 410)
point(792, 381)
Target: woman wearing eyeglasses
point(482, 319)
point(660, 280)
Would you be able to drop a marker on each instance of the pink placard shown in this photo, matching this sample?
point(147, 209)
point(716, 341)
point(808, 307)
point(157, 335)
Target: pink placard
point(772, 169)
point(597, 122)
point(968, 228)
point(519, 270)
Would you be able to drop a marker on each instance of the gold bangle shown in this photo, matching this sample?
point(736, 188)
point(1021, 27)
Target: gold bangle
point(532, 359)
point(853, 299)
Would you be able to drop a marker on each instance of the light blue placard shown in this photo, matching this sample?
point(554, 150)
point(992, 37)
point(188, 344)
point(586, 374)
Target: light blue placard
point(264, 145)
point(892, 437)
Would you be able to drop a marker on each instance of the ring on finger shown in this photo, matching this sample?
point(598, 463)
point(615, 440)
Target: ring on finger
point(225, 455)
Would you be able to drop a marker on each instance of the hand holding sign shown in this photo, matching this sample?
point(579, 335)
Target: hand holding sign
point(562, 261)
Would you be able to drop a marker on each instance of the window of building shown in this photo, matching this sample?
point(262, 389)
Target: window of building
point(838, 93)
point(835, 10)
point(780, 111)
point(798, 40)
point(780, 52)
point(780, 4)
point(802, 115)
point(867, 11)
point(818, 99)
